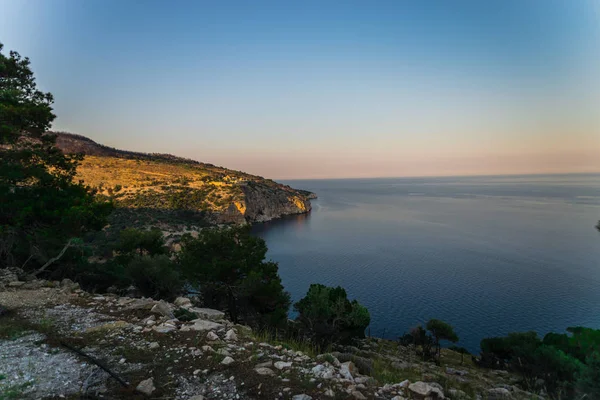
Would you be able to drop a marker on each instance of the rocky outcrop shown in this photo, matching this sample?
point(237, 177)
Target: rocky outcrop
point(264, 203)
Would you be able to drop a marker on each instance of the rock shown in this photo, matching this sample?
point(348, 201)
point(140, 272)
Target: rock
point(231, 335)
point(348, 370)
point(301, 397)
point(34, 285)
point(163, 308)
point(16, 284)
point(456, 393)
point(202, 325)
point(282, 365)
point(498, 394)
point(109, 326)
point(423, 390)
point(208, 349)
point(398, 398)
point(153, 345)
point(358, 395)
point(453, 371)
point(197, 397)
point(137, 304)
point(146, 387)
point(211, 336)
point(69, 285)
point(323, 371)
point(329, 393)
point(265, 364)
point(208, 313)
point(227, 361)
point(164, 328)
point(183, 302)
point(265, 371)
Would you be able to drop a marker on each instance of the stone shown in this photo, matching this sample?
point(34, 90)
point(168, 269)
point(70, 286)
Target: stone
point(498, 394)
point(146, 387)
point(211, 336)
point(163, 308)
point(183, 302)
point(301, 397)
point(202, 325)
point(358, 395)
point(16, 284)
point(265, 371)
point(323, 371)
point(329, 393)
point(453, 371)
point(398, 398)
point(164, 328)
point(208, 349)
point(422, 390)
point(138, 304)
point(153, 345)
point(109, 326)
point(227, 361)
point(347, 370)
point(197, 397)
point(208, 313)
point(69, 284)
point(265, 364)
point(282, 365)
point(231, 335)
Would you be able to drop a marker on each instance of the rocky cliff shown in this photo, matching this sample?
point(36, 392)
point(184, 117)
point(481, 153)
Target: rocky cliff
point(164, 182)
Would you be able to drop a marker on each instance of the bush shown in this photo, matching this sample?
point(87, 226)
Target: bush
point(326, 315)
point(441, 330)
point(140, 242)
point(155, 276)
point(229, 267)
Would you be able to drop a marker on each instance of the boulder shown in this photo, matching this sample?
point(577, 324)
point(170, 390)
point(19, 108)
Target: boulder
point(358, 395)
point(227, 360)
point(422, 390)
point(348, 370)
point(208, 313)
point(183, 302)
point(265, 371)
point(163, 308)
point(231, 335)
point(202, 325)
point(146, 387)
point(301, 397)
point(282, 365)
point(211, 336)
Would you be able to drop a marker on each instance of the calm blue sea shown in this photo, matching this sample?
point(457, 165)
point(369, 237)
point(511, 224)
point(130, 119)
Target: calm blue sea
point(490, 255)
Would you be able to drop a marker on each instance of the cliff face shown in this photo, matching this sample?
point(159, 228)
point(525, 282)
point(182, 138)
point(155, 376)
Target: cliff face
point(165, 182)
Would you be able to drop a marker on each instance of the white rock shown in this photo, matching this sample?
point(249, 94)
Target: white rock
point(146, 387)
point(203, 325)
point(212, 336)
point(153, 345)
point(498, 394)
point(329, 393)
point(358, 395)
point(163, 308)
point(197, 397)
point(183, 302)
point(301, 397)
point(208, 313)
point(227, 361)
point(231, 335)
point(347, 370)
point(282, 364)
point(265, 371)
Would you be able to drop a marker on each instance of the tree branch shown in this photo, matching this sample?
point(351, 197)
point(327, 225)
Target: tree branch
point(54, 259)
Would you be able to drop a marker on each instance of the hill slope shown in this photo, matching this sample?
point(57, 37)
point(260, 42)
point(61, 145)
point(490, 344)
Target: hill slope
point(166, 182)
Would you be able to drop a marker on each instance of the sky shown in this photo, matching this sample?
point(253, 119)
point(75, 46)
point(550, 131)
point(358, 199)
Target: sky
point(325, 89)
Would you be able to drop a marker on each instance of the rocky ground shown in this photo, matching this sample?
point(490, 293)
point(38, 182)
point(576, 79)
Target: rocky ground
point(49, 331)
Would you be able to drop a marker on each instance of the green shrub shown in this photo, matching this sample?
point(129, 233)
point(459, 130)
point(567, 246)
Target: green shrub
point(326, 315)
point(155, 276)
point(441, 330)
point(140, 242)
point(229, 267)
point(185, 315)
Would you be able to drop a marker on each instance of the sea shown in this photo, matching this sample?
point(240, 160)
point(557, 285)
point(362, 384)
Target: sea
point(489, 255)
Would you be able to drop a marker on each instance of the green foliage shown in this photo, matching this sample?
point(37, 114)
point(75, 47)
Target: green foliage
point(41, 208)
point(141, 242)
point(566, 363)
point(441, 330)
point(229, 267)
point(588, 381)
point(155, 276)
point(326, 314)
point(185, 315)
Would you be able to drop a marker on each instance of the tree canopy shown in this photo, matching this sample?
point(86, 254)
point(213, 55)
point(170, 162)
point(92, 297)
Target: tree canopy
point(41, 208)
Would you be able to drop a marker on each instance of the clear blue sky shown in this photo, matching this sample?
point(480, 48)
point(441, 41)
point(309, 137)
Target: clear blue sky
point(327, 88)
